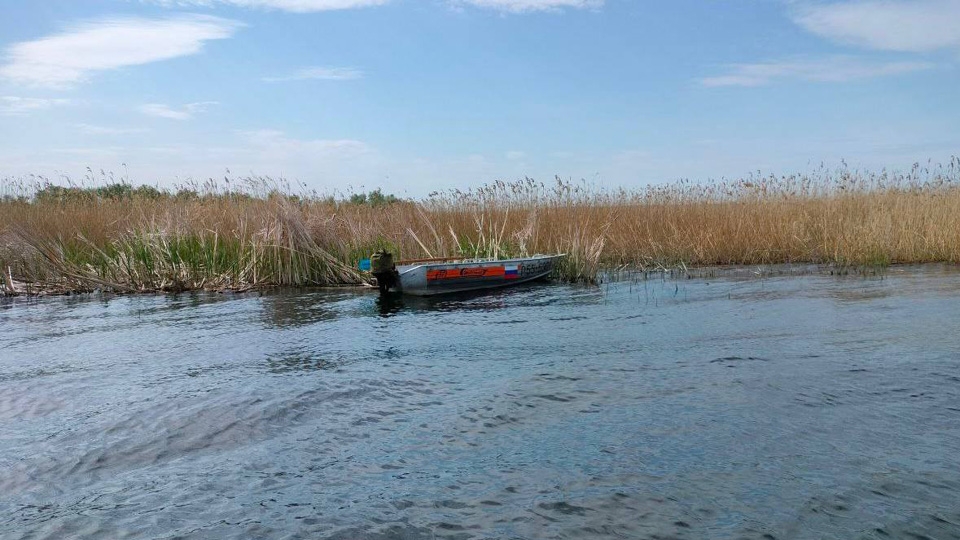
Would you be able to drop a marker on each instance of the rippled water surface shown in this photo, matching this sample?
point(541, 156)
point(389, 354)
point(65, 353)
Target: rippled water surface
point(731, 407)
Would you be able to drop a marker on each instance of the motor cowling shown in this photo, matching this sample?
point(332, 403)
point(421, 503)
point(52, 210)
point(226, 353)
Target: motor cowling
point(382, 267)
point(380, 262)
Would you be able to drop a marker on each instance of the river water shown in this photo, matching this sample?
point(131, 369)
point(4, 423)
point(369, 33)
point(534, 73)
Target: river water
point(731, 406)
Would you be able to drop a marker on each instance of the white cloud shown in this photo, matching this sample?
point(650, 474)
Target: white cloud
point(912, 26)
point(276, 145)
point(294, 6)
point(312, 6)
point(514, 155)
point(829, 69)
point(89, 155)
point(186, 112)
point(104, 44)
point(525, 6)
point(90, 129)
point(320, 73)
point(18, 106)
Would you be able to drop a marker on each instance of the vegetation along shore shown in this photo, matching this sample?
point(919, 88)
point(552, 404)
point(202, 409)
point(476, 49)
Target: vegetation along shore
point(255, 232)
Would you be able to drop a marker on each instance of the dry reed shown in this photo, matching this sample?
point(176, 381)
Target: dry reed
point(218, 236)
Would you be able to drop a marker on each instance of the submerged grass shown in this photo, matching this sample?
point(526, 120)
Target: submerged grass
point(114, 236)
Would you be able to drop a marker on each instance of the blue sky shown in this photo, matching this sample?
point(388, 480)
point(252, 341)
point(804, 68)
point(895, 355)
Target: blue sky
point(414, 96)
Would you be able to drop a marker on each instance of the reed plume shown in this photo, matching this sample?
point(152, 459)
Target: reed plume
point(255, 232)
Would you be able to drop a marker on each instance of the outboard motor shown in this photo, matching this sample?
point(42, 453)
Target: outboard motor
point(382, 267)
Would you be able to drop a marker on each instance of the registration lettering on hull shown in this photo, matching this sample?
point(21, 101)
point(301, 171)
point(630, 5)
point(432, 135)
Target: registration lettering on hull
point(482, 272)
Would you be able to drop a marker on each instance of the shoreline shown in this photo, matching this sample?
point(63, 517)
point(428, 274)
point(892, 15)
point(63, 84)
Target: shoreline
point(606, 276)
point(57, 240)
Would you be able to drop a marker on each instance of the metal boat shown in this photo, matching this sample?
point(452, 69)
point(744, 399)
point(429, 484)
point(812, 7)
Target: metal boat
point(426, 277)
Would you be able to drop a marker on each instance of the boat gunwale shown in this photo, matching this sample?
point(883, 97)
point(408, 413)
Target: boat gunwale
point(409, 267)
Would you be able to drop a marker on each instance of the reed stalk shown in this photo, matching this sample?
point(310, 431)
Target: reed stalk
point(215, 236)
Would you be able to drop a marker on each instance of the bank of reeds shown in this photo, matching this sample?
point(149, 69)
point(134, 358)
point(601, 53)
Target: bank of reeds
point(216, 236)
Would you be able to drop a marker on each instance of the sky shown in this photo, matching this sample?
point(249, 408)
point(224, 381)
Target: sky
point(413, 96)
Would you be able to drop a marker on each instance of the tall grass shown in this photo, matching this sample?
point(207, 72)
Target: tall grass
point(221, 236)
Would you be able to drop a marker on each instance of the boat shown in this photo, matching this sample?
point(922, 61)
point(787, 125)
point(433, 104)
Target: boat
point(427, 277)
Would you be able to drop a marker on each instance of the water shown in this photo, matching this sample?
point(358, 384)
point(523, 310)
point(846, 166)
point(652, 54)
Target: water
point(732, 407)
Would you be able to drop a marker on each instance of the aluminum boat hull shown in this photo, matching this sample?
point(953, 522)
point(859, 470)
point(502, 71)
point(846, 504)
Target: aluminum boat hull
point(427, 279)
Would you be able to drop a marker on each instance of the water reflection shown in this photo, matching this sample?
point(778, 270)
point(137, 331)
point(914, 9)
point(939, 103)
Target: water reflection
point(530, 294)
point(390, 304)
point(864, 294)
point(295, 309)
point(393, 303)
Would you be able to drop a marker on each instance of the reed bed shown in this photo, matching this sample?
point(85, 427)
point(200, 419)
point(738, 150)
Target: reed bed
point(256, 232)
